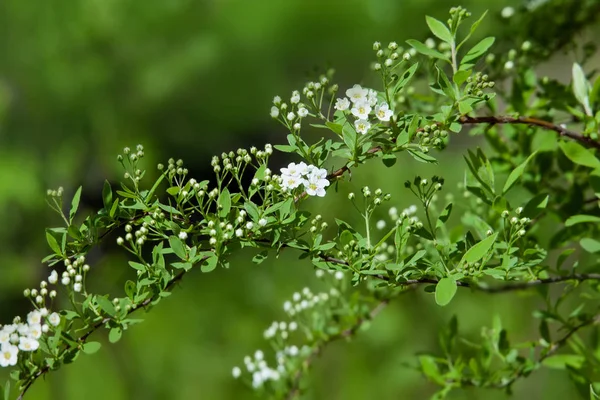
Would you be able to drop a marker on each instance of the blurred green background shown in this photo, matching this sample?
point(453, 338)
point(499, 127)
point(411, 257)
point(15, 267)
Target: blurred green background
point(81, 79)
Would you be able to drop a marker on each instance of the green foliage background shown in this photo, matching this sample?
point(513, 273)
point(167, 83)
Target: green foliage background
point(80, 79)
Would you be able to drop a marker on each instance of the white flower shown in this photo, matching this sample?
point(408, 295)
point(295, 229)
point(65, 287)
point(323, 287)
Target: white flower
point(53, 278)
point(23, 329)
point(296, 296)
point(276, 100)
point(35, 331)
point(287, 306)
point(383, 112)
point(183, 235)
point(314, 172)
point(236, 372)
point(77, 287)
point(274, 112)
point(430, 43)
point(509, 65)
point(380, 224)
point(296, 170)
point(249, 225)
point(295, 97)
point(28, 344)
point(319, 273)
point(290, 182)
point(292, 351)
point(4, 336)
point(339, 275)
point(34, 317)
point(65, 280)
point(291, 116)
point(293, 326)
point(507, 12)
point(239, 232)
point(43, 311)
point(362, 126)
point(342, 104)
point(315, 186)
point(262, 221)
point(302, 112)
point(258, 355)
point(357, 93)
point(54, 319)
point(361, 110)
point(372, 97)
point(8, 355)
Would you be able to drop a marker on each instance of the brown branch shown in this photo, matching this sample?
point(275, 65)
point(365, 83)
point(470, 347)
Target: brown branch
point(585, 140)
point(492, 120)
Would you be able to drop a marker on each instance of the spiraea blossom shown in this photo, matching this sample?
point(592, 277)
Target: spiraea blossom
point(383, 112)
point(363, 103)
point(313, 179)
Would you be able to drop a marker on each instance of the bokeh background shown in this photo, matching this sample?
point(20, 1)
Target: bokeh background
point(81, 79)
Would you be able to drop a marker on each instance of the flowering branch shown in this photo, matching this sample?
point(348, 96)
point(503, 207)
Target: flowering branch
point(351, 331)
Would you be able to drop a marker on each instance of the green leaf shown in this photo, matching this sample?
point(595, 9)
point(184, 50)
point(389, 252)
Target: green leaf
point(461, 76)
point(590, 245)
point(336, 128)
point(137, 266)
point(285, 148)
point(53, 243)
point(6, 391)
point(561, 361)
point(581, 88)
point(579, 219)
point(430, 369)
point(445, 214)
point(107, 195)
point(105, 304)
point(478, 50)
point(423, 49)
point(445, 291)
point(389, 160)
point(472, 30)
point(91, 347)
point(224, 203)
point(579, 154)
point(422, 157)
point(439, 29)
point(479, 250)
point(75, 203)
point(115, 334)
point(406, 77)
point(516, 173)
point(252, 210)
point(178, 247)
point(349, 136)
point(209, 264)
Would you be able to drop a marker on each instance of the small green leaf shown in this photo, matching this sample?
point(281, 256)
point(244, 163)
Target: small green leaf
point(439, 29)
point(224, 203)
point(137, 266)
point(75, 203)
point(430, 369)
point(478, 50)
point(461, 76)
point(107, 195)
point(479, 250)
point(579, 154)
point(516, 174)
point(445, 291)
point(115, 334)
point(560, 361)
point(336, 128)
point(590, 245)
point(178, 247)
point(91, 347)
point(423, 49)
point(6, 391)
point(389, 160)
point(406, 77)
point(53, 243)
point(209, 264)
point(285, 148)
point(422, 157)
point(581, 88)
point(579, 219)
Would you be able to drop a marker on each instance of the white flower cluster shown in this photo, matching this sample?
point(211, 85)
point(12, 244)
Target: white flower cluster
point(282, 328)
point(362, 102)
point(306, 300)
point(20, 336)
point(408, 212)
point(314, 179)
